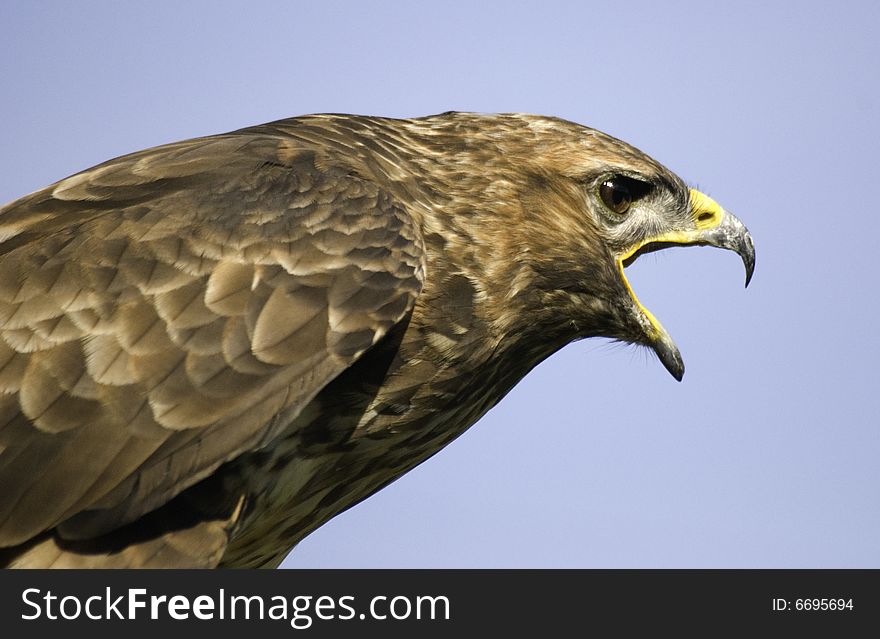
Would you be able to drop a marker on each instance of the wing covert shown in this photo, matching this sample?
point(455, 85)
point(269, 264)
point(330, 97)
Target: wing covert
point(160, 311)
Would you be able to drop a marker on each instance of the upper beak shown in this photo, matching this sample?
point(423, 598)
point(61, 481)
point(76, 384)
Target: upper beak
point(712, 226)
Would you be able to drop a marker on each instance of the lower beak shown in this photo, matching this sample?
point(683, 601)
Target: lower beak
point(712, 226)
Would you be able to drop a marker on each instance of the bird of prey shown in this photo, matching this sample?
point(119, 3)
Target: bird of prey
point(210, 348)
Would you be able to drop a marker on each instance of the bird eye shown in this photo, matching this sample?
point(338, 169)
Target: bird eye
point(616, 195)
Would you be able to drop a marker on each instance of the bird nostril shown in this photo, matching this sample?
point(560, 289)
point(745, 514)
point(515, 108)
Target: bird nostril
point(705, 217)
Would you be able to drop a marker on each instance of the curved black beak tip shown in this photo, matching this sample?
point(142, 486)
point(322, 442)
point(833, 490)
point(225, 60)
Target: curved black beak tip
point(748, 258)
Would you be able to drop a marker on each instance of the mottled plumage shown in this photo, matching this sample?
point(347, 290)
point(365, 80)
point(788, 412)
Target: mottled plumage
point(209, 348)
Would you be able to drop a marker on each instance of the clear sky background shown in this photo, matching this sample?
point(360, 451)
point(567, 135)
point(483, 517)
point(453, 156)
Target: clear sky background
point(767, 454)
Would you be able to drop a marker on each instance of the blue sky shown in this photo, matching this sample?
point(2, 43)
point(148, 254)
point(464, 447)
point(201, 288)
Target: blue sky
point(766, 455)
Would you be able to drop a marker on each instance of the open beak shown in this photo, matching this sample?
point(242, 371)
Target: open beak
point(712, 226)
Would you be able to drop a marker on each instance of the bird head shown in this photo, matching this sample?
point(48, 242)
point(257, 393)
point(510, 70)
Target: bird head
point(568, 209)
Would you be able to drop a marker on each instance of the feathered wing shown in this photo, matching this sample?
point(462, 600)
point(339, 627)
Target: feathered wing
point(166, 311)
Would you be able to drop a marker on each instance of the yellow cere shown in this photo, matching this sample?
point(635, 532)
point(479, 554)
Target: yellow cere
point(706, 211)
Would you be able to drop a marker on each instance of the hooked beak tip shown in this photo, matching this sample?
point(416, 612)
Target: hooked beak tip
point(748, 257)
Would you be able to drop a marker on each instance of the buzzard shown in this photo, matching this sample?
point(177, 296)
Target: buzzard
point(211, 347)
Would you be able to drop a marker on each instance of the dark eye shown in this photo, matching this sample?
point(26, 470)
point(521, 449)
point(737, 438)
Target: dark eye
point(616, 195)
